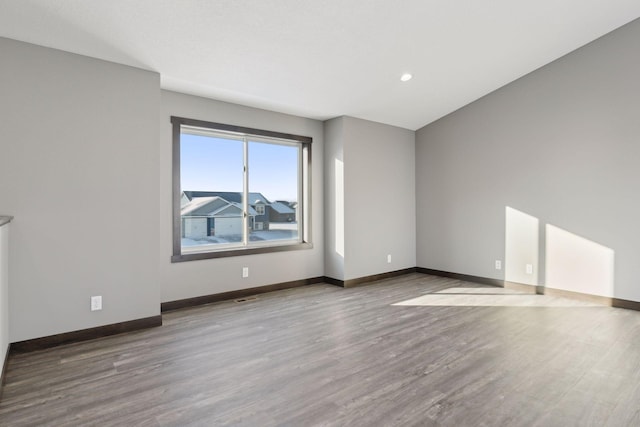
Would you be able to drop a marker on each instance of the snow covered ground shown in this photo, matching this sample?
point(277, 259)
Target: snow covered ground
point(283, 226)
point(277, 231)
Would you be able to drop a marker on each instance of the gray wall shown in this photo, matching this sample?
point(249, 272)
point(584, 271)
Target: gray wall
point(4, 291)
point(378, 197)
point(85, 168)
point(79, 171)
point(196, 278)
point(334, 198)
point(559, 145)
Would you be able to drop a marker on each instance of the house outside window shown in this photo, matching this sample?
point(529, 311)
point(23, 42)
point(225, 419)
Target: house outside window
point(235, 188)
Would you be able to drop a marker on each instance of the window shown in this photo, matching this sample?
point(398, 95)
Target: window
point(238, 191)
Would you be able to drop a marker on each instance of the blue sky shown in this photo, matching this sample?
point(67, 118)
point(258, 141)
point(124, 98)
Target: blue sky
point(215, 164)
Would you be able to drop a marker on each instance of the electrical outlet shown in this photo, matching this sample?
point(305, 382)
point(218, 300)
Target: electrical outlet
point(529, 268)
point(498, 264)
point(389, 259)
point(245, 272)
point(96, 303)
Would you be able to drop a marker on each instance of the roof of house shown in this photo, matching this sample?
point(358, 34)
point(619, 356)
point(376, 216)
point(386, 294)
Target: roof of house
point(202, 206)
point(213, 206)
point(230, 210)
point(281, 208)
point(231, 196)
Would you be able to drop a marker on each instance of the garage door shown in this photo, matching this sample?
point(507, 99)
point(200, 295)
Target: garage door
point(195, 228)
point(228, 226)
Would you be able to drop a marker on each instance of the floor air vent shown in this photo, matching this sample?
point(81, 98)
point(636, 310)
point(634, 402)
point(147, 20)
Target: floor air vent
point(246, 299)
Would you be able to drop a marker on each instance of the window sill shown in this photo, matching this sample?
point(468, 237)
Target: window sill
point(239, 252)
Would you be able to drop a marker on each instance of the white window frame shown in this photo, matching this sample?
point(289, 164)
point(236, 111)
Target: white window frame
point(254, 135)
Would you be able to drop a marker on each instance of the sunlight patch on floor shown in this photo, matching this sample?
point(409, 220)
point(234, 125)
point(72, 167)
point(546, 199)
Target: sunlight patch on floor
point(490, 297)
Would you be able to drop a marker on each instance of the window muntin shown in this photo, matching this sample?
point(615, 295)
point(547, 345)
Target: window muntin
point(238, 190)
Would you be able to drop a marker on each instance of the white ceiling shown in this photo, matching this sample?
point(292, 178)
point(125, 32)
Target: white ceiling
point(324, 58)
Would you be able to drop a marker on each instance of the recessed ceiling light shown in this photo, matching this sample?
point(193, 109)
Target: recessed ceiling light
point(406, 77)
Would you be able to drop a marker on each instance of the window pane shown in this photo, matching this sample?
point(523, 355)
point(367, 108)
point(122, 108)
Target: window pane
point(238, 191)
point(274, 180)
point(211, 180)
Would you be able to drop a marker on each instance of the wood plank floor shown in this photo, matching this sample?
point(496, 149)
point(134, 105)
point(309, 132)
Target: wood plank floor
point(450, 354)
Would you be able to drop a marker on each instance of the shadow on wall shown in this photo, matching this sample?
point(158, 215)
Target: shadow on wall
point(571, 262)
point(339, 207)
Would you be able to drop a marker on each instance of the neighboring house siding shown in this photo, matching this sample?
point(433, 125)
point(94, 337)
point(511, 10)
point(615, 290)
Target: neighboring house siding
point(184, 200)
point(264, 219)
point(215, 204)
point(210, 226)
point(276, 217)
point(281, 212)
